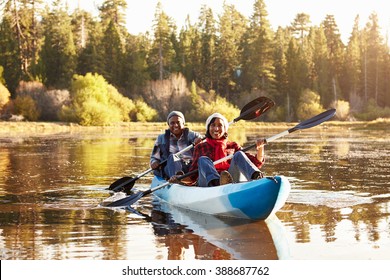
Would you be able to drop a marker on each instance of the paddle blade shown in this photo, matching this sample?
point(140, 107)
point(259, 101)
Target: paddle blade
point(124, 183)
point(255, 108)
point(129, 200)
point(324, 116)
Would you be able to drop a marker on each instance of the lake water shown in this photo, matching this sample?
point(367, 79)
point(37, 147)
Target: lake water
point(51, 187)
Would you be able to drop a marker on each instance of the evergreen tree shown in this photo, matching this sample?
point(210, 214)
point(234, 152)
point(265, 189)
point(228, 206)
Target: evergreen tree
point(190, 52)
point(300, 26)
point(373, 60)
point(353, 64)
point(135, 69)
point(91, 56)
point(9, 55)
point(162, 54)
point(282, 38)
point(232, 26)
point(207, 31)
point(297, 76)
point(113, 54)
point(258, 67)
point(113, 11)
point(58, 52)
point(320, 72)
point(336, 55)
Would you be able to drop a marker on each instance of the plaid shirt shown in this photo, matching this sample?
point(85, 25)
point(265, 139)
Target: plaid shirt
point(175, 145)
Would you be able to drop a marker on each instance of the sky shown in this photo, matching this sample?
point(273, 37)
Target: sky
point(140, 13)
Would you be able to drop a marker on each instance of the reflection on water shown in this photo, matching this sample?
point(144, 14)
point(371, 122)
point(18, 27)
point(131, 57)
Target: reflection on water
point(50, 188)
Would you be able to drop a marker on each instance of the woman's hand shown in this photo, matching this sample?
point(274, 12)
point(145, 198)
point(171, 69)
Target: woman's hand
point(260, 143)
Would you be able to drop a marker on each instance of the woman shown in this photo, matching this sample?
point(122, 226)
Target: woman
point(217, 146)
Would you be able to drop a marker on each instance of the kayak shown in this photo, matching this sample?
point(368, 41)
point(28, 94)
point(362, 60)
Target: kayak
point(254, 200)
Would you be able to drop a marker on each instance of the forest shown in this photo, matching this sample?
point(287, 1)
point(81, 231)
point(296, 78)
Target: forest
point(57, 65)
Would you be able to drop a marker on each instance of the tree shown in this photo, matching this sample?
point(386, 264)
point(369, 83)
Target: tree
point(335, 55)
point(258, 68)
point(320, 72)
point(300, 26)
point(374, 54)
point(162, 54)
point(232, 26)
point(353, 65)
point(113, 11)
point(58, 51)
point(297, 72)
point(282, 38)
point(113, 51)
point(207, 32)
point(135, 69)
point(10, 57)
point(91, 57)
point(189, 52)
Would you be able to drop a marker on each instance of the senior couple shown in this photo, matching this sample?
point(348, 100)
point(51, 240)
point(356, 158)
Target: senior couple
point(242, 167)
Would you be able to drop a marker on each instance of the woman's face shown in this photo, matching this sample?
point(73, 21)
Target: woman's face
point(217, 129)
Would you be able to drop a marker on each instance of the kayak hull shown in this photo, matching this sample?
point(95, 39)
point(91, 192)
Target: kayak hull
point(255, 200)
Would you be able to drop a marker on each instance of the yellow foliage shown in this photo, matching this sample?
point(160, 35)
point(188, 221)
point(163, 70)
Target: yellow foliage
point(4, 95)
point(309, 105)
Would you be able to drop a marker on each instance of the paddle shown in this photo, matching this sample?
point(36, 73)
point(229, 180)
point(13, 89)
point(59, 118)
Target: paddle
point(314, 121)
point(252, 110)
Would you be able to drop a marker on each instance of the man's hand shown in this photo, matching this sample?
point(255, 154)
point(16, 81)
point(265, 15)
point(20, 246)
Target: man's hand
point(154, 165)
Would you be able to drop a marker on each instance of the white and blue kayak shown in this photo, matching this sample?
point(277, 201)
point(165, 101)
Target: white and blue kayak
point(255, 200)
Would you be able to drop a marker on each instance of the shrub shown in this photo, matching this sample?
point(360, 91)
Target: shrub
point(48, 103)
point(372, 112)
point(342, 109)
point(142, 112)
point(26, 106)
point(4, 96)
point(309, 105)
point(97, 113)
point(95, 102)
point(215, 104)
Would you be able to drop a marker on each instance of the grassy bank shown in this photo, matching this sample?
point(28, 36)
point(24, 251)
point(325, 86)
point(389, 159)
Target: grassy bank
point(33, 128)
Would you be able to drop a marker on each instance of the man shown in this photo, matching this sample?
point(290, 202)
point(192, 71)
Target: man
point(168, 144)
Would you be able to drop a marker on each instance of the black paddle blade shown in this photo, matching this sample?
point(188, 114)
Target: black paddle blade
point(129, 200)
point(124, 183)
point(320, 118)
point(255, 108)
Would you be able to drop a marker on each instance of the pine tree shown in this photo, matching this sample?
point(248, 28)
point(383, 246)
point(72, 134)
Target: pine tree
point(232, 26)
point(162, 54)
point(58, 53)
point(353, 65)
point(258, 68)
point(336, 56)
point(374, 57)
point(9, 55)
point(207, 31)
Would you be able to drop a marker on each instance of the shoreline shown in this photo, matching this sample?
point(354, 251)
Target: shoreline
point(12, 129)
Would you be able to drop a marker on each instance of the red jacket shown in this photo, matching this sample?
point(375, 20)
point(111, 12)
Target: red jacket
point(215, 150)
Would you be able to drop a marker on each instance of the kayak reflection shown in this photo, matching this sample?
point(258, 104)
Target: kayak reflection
point(187, 235)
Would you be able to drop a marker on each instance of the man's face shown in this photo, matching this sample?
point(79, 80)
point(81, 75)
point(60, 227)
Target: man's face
point(176, 125)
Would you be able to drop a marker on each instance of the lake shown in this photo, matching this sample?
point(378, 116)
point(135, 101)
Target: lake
point(51, 186)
